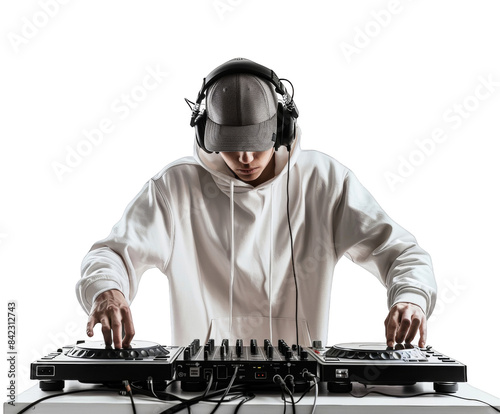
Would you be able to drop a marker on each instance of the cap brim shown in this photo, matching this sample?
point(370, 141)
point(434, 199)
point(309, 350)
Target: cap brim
point(254, 138)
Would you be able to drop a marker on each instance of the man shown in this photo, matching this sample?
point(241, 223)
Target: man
point(249, 230)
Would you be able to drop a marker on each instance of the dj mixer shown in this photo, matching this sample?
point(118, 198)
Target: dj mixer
point(197, 365)
point(251, 363)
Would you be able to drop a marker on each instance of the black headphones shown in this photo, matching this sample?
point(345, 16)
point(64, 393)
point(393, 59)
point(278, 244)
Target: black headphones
point(287, 112)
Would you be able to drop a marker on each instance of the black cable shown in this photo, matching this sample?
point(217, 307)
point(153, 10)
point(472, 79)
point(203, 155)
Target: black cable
point(226, 391)
point(228, 398)
point(209, 385)
point(248, 397)
point(60, 395)
point(310, 376)
point(303, 394)
point(187, 403)
point(425, 393)
point(129, 392)
point(284, 400)
point(231, 397)
point(291, 84)
point(189, 103)
point(291, 247)
point(290, 381)
point(159, 395)
point(277, 379)
point(293, 401)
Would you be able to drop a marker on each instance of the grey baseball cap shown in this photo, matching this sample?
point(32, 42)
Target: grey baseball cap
point(241, 114)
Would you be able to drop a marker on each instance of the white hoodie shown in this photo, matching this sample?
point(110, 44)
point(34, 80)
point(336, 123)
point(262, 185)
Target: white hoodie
point(225, 248)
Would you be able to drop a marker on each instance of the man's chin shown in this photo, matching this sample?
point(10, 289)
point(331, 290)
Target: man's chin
point(248, 178)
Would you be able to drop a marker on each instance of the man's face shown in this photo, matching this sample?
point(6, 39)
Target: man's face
point(252, 167)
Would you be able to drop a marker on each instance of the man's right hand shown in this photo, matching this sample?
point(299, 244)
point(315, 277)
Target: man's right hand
point(111, 310)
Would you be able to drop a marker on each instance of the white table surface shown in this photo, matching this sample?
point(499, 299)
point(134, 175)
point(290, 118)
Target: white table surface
point(264, 402)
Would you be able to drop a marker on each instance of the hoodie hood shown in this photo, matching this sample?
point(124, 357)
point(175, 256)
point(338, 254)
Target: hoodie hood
point(224, 177)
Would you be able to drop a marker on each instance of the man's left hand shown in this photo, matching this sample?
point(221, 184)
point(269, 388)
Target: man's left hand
point(403, 322)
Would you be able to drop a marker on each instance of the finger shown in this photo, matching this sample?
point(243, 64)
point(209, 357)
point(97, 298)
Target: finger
point(90, 326)
point(404, 326)
point(128, 325)
point(412, 332)
point(391, 327)
point(116, 326)
point(106, 330)
point(423, 333)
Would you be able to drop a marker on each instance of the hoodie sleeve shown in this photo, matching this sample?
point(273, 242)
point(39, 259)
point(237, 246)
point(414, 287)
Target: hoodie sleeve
point(369, 237)
point(141, 240)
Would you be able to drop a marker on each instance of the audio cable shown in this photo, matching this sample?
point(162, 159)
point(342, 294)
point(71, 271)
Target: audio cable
point(128, 390)
point(209, 385)
point(310, 376)
point(424, 393)
point(278, 379)
point(291, 248)
point(82, 391)
point(186, 404)
point(227, 390)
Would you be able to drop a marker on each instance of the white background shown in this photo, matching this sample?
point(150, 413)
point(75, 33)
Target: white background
point(414, 62)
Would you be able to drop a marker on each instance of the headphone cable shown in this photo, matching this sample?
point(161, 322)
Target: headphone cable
point(291, 84)
point(291, 248)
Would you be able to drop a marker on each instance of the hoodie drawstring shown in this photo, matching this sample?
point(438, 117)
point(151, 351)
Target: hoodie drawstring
point(231, 198)
point(271, 257)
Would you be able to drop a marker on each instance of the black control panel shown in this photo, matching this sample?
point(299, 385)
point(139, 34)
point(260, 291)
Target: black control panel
point(375, 363)
point(93, 362)
point(196, 366)
point(253, 363)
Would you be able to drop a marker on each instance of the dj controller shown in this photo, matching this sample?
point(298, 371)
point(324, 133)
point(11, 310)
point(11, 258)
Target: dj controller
point(376, 364)
point(93, 362)
point(197, 365)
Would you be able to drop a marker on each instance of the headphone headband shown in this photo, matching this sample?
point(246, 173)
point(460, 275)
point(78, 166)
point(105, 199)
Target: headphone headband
point(287, 112)
point(241, 65)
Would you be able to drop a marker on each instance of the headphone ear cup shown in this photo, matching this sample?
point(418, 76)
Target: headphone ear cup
point(199, 130)
point(286, 127)
point(279, 126)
